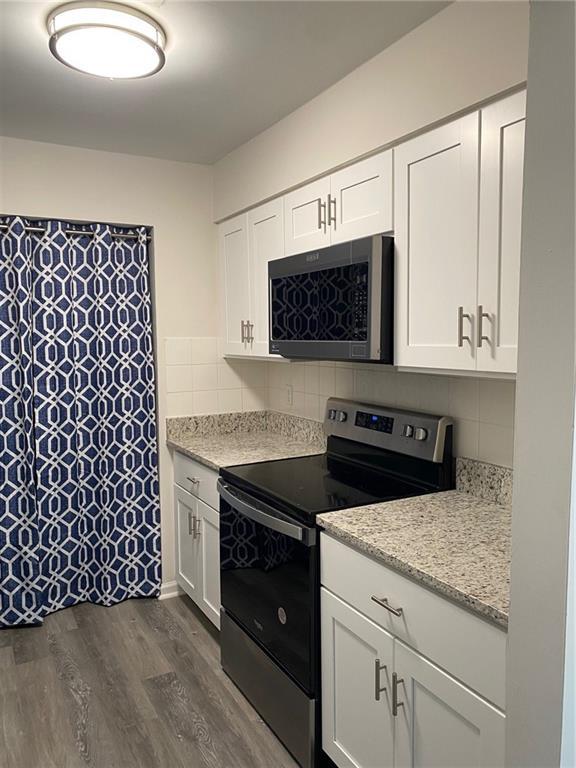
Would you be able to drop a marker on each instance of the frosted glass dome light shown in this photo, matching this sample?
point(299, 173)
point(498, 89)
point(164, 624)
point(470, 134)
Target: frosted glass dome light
point(106, 39)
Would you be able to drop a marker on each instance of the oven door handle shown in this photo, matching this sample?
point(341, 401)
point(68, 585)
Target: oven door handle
point(305, 535)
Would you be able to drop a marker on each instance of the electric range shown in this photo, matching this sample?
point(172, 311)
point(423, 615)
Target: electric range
point(269, 550)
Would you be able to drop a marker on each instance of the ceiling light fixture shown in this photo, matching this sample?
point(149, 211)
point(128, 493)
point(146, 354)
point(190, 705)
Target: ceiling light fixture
point(106, 39)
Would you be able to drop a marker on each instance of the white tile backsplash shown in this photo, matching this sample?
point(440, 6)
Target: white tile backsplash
point(464, 398)
point(179, 378)
point(180, 403)
point(204, 349)
point(483, 409)
point(254, 399)
point(229, 376)
point(205, 402)
point(496, 402)
point(311, 378)
point(495, 443)
point(229, 400)
point(178, 351)
point(205, 376)
point(344, 383)
point(198, 381)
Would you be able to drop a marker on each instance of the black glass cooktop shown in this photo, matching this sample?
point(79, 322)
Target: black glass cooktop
point(309, 485)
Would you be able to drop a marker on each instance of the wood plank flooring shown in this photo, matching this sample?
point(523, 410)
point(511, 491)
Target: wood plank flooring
point(138, 685)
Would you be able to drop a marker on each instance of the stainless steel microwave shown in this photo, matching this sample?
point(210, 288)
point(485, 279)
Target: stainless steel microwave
point(336, 303)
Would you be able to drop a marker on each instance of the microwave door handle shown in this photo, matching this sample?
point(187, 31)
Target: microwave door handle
point(269, 521)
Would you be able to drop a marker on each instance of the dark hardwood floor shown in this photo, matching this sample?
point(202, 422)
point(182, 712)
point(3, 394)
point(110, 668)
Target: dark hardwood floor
point(138, 685)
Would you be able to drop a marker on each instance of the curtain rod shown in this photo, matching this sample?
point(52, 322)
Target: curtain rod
point(120, 235)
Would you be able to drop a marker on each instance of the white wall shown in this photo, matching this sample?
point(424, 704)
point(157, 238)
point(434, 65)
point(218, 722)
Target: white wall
point(468, 52)
point(47, 180)
point(545, 393)
point(482, 409)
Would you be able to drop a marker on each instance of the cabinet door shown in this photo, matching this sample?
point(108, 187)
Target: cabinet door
point(208, 538)
point(235, 284)
point(501, 179)
point(361, 199)
point(265, 243)
point(187, 550)
point(441, 723)
point(357, 657)
point(306, 218)
point(436, 218)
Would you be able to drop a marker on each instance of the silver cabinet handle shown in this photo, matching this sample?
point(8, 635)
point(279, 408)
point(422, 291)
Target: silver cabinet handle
point(383, 601)
point(249, 331)
point(395, 703)
point(378, 689)
point(191, 519)
point(480, 336)
point(196, 527)
point(321, 214)
point(193, 480)
point(331, 216)
point(242, 332)
point(461, 336)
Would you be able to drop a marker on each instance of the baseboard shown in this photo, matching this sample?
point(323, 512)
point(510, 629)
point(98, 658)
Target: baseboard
point(169, 589)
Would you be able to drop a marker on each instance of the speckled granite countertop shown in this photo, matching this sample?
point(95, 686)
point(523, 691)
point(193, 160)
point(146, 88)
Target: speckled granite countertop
point(227, 450)
point(455, 543)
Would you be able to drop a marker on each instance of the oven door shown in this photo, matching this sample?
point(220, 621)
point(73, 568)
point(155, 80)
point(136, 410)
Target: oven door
point(269, 581)
point(335, 303)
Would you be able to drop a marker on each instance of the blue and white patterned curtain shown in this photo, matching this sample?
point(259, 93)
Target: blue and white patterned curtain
point(79, 507)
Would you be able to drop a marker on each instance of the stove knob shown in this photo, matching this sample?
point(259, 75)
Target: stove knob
point(331, 414)
point(341, 416)
point(420, 433)
point(408, 430)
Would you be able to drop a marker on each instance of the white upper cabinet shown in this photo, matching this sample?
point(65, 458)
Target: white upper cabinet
point(458, 217)
point(246, 244)
point(235, 282)
point(439, 722)
point(352, 203)
point(436, 223)
point(306, 217)
point(501, 180)
point(265, 243)
point(361, 199)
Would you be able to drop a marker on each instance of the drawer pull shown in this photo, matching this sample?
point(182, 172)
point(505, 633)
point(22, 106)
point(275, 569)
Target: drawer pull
point(193, 480)
point(383, 601)
point(395, 703)
point(377, 670)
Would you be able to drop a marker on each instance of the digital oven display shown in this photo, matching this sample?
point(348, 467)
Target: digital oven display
point(375, 422)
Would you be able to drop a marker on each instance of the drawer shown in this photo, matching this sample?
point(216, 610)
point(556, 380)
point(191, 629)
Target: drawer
point(465, 645)
point(187, 472)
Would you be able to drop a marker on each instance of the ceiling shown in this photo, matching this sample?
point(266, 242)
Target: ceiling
point(233, 69)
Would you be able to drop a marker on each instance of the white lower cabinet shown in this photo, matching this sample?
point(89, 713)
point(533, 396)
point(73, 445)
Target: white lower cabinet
point(440, 723)
point(385, 704)
point(357, 662)
point(208, 533)
point(186, 546)
point(197, 536)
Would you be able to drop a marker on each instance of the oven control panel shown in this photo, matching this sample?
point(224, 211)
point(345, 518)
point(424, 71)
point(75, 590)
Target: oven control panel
point(410, 432)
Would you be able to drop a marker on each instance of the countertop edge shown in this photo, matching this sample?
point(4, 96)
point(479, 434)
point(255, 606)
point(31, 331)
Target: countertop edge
point(176, 446)
point(480, 609)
